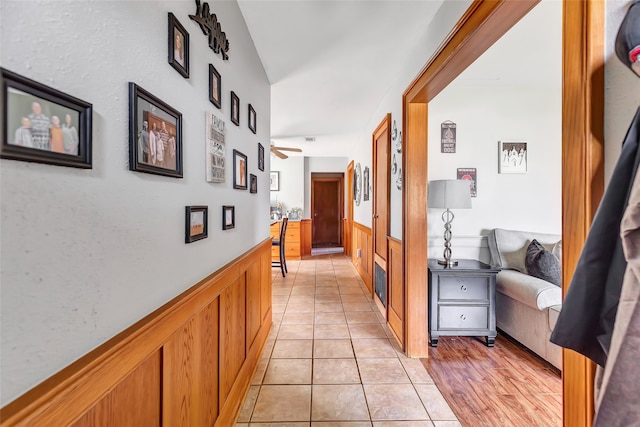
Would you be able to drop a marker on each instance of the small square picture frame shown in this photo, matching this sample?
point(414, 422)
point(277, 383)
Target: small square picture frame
point(251, 114)
point(178, 46)
point(228, 217)
point(239, 170)
point(235, 109)
point(512, 157)
point(260, 157)
point(215, 87)
point(253, 184)
point(196, 223)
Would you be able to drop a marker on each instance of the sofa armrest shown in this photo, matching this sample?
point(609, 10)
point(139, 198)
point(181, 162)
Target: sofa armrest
point(529, 290)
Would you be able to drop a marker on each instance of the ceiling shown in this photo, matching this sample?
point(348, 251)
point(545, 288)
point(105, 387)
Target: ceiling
point(330, 63)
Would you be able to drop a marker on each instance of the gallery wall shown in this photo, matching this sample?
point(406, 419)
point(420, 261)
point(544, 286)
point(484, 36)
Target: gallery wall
point(87, 253)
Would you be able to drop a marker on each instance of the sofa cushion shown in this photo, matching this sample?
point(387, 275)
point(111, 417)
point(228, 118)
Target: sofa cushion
point(529, 290)
point(508, 247)
point(542, 264)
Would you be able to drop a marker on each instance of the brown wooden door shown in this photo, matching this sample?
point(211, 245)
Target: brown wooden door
point(327, 210)
point(380, 229)
point(348, 223)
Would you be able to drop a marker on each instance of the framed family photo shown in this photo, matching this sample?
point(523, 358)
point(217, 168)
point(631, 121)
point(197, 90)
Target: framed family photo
point(44, 125)
point(253, 183)
point(239, 170)
point(260, 157)
point(196, 223)
point(178, 46)
point(155, 134)
point(215, 86)
point(235, 109)
point(252, 119)
point(228, 217)
point(274, 181)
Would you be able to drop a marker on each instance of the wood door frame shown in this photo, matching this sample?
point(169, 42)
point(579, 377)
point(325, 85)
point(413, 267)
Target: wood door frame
point(383, 128)
point(329, 177)
point(484, 22)
point(348, 226)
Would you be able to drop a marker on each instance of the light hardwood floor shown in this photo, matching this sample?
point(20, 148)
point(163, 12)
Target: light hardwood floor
point(502, 386)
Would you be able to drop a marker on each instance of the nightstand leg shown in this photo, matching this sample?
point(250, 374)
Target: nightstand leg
point(434, 342)
point(491, 341)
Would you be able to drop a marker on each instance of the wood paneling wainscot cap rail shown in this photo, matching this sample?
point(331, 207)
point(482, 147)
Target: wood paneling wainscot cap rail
point(189, 363)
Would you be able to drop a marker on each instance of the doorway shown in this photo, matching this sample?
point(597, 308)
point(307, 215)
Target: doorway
point(327, 209)
point(582, 160)
point(380, 230)
point(348, 221)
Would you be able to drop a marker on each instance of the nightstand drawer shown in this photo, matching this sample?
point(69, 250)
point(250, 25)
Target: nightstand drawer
point(463, 317)
point(463, 288)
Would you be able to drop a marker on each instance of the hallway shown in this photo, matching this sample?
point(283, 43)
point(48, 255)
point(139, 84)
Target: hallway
point(331, 361)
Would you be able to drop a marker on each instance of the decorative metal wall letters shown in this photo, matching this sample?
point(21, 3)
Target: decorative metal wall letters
point(211, 27)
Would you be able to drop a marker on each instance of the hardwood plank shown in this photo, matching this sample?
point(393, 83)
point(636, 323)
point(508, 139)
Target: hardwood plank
point(506, 385)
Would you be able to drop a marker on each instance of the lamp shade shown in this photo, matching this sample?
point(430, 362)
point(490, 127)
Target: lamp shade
point(449, 194)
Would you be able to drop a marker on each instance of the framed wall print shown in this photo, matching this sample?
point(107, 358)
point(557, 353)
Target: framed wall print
point(215, 86)
point(235, 109)
point(260, 157)
point(228, 217)
point(274, 179)
point(41, 124)
point(253, 183)
point(155, 134)
point(196, 223)
point(471, 175)
point(512, 157)
point(252, 119)
point(239, 170)
point(178, 46)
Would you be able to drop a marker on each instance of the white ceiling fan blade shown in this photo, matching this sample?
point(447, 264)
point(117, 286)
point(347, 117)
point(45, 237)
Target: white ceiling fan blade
point(297, 150)
point(279, 154)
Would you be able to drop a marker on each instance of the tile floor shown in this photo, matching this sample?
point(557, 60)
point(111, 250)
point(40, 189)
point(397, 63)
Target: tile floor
point(331, 361)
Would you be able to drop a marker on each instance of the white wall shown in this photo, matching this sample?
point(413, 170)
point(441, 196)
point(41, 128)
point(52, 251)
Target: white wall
point(528, 202)
point(86, 253)
point(622, 88)
point(425, 46)
point(292, 189)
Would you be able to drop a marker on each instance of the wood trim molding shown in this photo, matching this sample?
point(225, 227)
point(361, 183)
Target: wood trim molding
point(485, 22)
point(71, 393)
point(583, 172)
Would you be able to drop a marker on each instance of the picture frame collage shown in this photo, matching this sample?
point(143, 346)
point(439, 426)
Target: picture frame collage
point(44, 125)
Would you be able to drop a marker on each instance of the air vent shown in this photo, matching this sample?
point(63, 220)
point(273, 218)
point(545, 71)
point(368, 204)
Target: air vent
point(309, 139)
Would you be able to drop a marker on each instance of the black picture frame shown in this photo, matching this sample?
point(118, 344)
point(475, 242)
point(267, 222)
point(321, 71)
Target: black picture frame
point(235, 109)
point(239, 170)
point(27, 114)
point(178, 55)
point(260, 157)
point(251, 122)
point(215, 87)
point(228, 217)
point(253, 183)
point(165, 123)
point(196, 223)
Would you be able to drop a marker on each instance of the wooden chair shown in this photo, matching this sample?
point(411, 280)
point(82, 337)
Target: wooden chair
point(280, 242)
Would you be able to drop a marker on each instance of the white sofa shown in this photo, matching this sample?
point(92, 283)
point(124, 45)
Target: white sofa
point(527, 308)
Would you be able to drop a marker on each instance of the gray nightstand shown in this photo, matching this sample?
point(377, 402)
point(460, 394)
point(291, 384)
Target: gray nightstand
point(462, 300)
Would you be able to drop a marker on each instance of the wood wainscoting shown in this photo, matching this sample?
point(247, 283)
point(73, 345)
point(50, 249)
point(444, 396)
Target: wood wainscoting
point(189, 363)
point(395, 294)
point(362, 246)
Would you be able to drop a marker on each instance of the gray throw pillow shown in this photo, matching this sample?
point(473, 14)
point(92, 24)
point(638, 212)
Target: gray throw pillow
point(543, 264)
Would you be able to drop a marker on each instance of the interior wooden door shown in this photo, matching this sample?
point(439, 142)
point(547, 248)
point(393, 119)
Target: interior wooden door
point(327, 210)
point(381, 197)
point(348, 222)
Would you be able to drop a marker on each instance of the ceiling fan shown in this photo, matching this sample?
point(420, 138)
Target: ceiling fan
point(278, 151)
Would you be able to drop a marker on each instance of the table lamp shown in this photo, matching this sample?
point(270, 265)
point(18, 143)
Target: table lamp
point(448, 194)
